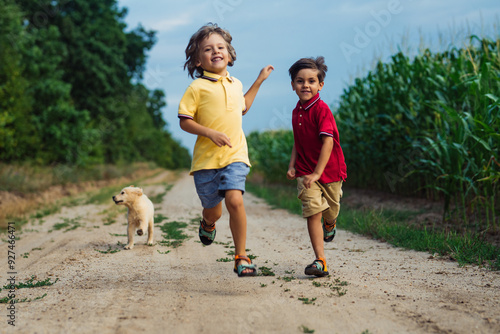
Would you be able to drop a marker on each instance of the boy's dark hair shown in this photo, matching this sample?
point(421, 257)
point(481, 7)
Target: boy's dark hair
point(193, 48)
point(312, 63)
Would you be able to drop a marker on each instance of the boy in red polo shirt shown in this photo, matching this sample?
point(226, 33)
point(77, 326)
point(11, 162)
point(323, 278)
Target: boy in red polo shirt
point(317, 160)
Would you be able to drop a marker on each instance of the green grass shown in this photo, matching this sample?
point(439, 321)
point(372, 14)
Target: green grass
point(7, 300)
point(305, 329)
point(173, 234)
point(265, 271)
point(159, 197)
point(393, 227)
point(307, 300)
point(110, 250)
point(160, 218)
point(30, 178)
point(30, 283)
point(278, 195)
point(67, 224)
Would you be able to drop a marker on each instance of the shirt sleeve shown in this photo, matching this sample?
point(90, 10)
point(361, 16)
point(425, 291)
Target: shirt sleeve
point(243, 103)
point(326, 122)
point(188, 105)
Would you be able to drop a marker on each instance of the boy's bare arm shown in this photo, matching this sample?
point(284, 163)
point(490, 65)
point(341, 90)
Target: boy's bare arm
point(252, 92)
point(219, 138)
point(291, 166)
point(324, 156)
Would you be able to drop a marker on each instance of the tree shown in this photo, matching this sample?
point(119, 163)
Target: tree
point(70, 88)
point(16, 131)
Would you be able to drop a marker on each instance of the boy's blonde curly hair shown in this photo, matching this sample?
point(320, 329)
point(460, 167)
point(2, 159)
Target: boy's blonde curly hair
point(193, 48)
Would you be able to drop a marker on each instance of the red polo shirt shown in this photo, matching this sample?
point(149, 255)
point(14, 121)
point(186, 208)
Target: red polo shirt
point(311, 121)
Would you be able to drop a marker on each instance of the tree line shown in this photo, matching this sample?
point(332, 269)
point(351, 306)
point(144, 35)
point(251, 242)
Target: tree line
point(70, 87)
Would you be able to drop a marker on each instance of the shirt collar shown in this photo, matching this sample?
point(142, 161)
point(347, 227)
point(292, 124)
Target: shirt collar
point(215, 77)
point(311, 102)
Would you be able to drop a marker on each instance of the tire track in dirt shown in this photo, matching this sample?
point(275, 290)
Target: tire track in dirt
point(187, 290)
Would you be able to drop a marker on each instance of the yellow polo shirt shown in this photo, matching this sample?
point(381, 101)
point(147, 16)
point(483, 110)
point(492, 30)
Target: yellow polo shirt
point(218, 103)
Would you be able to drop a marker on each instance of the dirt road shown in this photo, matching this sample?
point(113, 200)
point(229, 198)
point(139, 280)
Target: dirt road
point(374, 287)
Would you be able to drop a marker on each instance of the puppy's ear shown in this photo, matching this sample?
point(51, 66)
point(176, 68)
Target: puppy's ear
point(138, 191)
point(131, 186)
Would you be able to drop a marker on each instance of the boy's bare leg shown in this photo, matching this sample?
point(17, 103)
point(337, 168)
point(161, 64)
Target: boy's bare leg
point(316, 234)
point(213, 214)
point(237, 222)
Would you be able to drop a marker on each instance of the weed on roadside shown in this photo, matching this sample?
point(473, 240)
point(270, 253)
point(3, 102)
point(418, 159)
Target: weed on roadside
point(265, 271)
point(7, 300)
point(225, 244)
point(68, 224)
point(287, 278)
point(160, 218)
point(173, 234)
point(110, 250)
point(305, 329)
point(30, 283)
point(307, 300)
point(337, 286)
point(45, 212)
point(159, 197)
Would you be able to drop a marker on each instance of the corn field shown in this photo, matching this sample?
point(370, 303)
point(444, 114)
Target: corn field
point(427, 126)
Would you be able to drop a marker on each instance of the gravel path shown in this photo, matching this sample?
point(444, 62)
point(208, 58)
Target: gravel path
point(374, 287)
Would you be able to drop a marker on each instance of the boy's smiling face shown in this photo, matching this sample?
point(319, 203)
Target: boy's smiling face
point(214, 56)
point(306, 84)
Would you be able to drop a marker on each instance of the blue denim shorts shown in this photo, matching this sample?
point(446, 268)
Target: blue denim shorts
point(211, 184)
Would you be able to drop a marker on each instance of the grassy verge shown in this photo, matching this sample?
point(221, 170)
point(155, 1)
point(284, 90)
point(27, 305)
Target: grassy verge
point(26, 178)
point(34, 192)
point(393, 227)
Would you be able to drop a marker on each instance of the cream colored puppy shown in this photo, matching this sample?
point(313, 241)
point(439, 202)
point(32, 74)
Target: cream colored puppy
point(140, 213)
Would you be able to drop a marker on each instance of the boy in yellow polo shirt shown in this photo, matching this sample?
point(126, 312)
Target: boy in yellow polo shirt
point(212, 108)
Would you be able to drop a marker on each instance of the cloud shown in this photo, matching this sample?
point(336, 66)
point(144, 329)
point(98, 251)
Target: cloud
point(170, 24)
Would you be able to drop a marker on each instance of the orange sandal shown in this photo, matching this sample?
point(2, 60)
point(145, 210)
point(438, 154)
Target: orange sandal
point(329, 230)
point(242, 266)
point(317, 268)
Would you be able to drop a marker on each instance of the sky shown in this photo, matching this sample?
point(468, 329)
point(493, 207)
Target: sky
point(351, 35)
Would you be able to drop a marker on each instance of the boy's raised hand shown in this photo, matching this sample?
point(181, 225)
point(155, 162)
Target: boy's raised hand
point(265, 72)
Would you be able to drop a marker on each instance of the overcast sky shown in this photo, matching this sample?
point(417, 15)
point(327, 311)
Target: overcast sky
point(349, 34)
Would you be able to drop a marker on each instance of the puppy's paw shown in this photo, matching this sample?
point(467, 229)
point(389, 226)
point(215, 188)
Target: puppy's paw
point(150, 243)
point(140, 232)
point(129, 246)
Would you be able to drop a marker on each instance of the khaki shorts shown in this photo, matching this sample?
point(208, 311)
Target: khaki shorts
point(323, 198)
